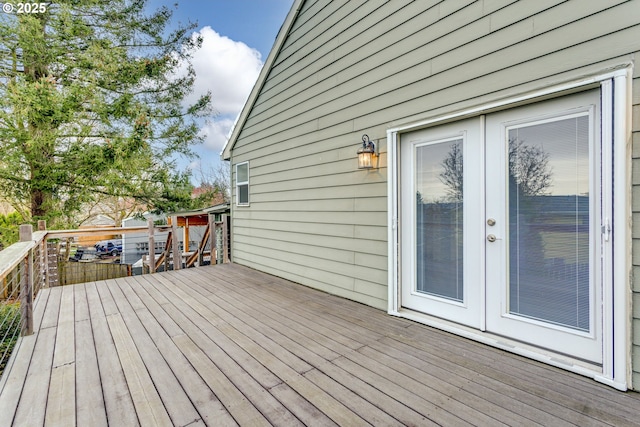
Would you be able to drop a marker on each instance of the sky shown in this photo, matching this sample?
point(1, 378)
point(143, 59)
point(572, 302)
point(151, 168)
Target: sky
point(237, 38)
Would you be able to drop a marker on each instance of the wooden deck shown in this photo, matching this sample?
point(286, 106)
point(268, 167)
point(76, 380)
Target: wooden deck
point(226, 345)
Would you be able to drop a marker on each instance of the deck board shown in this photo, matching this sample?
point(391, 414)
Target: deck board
point(235, 362)
point(176, 402)
point(207, 405)
point(61, 402)
point(118, 405)
point(149, 406)
point(11, 385)
point(90, 406)
point(295, 341)
point(36, 383)
point(227, 345)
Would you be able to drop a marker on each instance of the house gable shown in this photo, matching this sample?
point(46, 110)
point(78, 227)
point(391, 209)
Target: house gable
point(343, 69)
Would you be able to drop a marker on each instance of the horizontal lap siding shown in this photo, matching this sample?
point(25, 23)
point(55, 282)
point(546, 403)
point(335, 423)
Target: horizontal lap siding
point(636, 229)
point(349, 68)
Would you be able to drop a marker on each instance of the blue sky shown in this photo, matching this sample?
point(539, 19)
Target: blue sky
point(253, 22)
point(237, 37)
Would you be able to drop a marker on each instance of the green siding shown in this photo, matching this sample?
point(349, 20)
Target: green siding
point(348, 68)
point(636, 230)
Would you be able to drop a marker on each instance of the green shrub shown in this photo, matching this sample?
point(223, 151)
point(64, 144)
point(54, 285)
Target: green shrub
point(9, 226)
point(9, 331)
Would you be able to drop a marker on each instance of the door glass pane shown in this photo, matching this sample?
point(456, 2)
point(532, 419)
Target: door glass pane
point(439, 218)
point(549, 221)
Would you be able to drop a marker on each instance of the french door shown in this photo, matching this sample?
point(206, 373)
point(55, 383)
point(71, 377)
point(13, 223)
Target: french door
point(441, 232)
point(502, 224)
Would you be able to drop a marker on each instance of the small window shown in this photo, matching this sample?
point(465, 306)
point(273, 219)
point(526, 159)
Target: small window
point(242, 183)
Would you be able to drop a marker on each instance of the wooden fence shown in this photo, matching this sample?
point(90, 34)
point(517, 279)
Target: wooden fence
point(81, 272)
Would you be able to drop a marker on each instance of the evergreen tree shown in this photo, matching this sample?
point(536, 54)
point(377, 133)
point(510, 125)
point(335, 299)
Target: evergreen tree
point(9, 229)
point(91, 105)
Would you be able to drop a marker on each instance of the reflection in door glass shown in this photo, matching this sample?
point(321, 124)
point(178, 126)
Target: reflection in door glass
point(439, 219)
point(549, 221)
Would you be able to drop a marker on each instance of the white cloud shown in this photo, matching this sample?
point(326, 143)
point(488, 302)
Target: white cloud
point(216, 133)
point(227, 68)
point(195, 165)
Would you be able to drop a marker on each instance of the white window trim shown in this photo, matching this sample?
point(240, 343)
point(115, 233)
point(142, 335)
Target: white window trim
point(238, 184)
point(616, 94)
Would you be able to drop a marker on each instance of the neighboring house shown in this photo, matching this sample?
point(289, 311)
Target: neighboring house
point(135, 245)
point(500, 205)
point(98, 221)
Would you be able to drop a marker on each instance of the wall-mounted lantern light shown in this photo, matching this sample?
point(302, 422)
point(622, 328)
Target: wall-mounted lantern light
point(366, 153)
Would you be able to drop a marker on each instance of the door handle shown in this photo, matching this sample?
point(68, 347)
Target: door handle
point(491, 238)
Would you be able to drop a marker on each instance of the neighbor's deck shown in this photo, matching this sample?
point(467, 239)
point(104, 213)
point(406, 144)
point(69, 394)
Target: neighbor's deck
point(226, 345)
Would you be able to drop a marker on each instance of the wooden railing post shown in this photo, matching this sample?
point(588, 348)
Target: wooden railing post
point(52, 267)
point(26, 232)
point(185, 236)
point(212, 239)
point(26, 287)
point(60, 266)
point(225, 239)
point(177, 256)
point(152, 247)
point(43, 261)
point(166, 251)
point(44, 257)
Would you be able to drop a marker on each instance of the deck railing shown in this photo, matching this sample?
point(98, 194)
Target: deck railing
point(22, 275)
point(27, 266)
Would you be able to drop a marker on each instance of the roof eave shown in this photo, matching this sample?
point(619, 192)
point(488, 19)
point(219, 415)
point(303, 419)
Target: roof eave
point(248, 105)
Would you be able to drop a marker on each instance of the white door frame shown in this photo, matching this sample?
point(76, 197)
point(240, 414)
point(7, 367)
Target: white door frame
point(616, 96)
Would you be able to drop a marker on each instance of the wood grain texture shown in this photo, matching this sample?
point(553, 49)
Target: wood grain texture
point(227, 345)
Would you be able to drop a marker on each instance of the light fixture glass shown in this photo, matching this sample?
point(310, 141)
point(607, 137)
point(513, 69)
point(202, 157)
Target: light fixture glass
point(366, 153)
